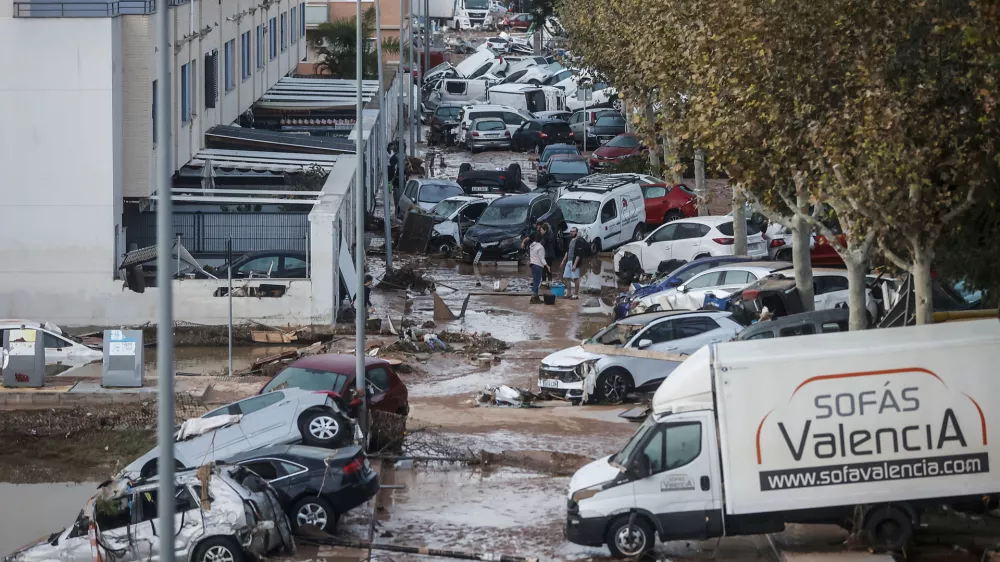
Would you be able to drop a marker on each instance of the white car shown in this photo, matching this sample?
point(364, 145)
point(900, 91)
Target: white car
point(531, 75)
point(59, 349)
point(690, 239)
point(453, 217)
point(601, 95)
point(582, 376)
point(565, 80)
point(720, 281)
point(608, 210)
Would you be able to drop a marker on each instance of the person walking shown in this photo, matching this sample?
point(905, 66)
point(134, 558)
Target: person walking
point(536, 253)
point(571, 265)
point(549, 243)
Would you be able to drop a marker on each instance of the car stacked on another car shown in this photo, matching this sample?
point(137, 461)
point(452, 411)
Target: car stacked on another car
point(720, 281)
point(683, 273)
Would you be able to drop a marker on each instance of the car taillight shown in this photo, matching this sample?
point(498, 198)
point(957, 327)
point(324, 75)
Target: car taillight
point(502, 178)
point(724, 241)
point(750, 295)
point(571, 133)
point(593, 118)
point(475, 133)
point(507, 134)
point(777, 243)
point(543, 135)
point(354, 467)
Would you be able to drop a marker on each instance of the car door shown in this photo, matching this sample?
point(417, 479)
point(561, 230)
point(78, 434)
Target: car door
point(267, 418)
point(830, 291)
point(454, 90)
point(57, 349)
point(611, 224)
point(687, 240)
point(657, 247)
point(692, 333)
point(576, 124)
point(733, 280)
point(681, 489)
point(468, 216)
point(293, 267)
point(658, 336)
point(654, 199)
point(691, 295)
point(146, 530)
point(519, 135)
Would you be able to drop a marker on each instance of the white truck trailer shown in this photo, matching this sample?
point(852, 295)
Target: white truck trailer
point(862, 427)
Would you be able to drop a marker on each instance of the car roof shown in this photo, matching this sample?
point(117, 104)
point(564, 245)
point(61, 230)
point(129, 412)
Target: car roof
point(567, 158)
point(340, 363)
point(436, 181)
point(768, 266)
point(303, 451)
point(451, 104)
point(549, 120)
point(561, 146)
point(518, 199)
point(487, 119)
point(711, 220)
point(649, 317)
point(818, 316)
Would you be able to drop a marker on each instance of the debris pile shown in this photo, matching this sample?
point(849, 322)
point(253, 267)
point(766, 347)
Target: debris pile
point(504, 395)
point(406, 278)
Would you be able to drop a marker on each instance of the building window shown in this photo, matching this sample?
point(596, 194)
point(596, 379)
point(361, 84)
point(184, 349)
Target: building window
point(302, 20)
point(315, 15)
point(272, 28)
point(245, 55)
point(284, 31)
point(211, 78)
point(260, 46)
point(154, 111)
point(291, 26)
point(230, 64)
point(186, 93)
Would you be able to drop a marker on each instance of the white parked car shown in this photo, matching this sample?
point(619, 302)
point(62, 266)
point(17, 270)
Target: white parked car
point(59, 349)
point(690, 239)
point(580, 375)
point(720, 281)
point(601, 95)
point(453, 217)
point(565, 80)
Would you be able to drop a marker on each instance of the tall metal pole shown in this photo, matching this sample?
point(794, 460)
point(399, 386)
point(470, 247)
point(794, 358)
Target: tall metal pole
point(360, 310)
point(427, 42)
point(414, 101)
point(383, 129)
point(164, 283)
point(400, 121)
point(229, 279)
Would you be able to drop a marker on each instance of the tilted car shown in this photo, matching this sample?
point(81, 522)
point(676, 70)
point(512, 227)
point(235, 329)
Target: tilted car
point(720, 282)
point(678, 276)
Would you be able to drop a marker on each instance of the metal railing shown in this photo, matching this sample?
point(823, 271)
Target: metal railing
point(41, 9)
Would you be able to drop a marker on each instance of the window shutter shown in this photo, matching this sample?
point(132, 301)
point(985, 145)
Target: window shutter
point(211, 79)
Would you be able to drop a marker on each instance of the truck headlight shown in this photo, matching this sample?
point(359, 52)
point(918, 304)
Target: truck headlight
point(585, 493)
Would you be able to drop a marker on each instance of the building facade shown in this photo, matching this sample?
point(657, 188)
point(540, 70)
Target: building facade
point(327, 11)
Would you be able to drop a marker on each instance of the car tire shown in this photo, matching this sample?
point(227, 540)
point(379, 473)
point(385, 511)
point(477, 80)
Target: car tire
point(889, 527)
point(315, 511)
point(595, 246)
point(638, 234)
point(630, 537)
point(672, 216)
point(218, 549)
point(783, 255)
point(465, 167)
point(616, 103)
point(324, 428)
point(613, 386)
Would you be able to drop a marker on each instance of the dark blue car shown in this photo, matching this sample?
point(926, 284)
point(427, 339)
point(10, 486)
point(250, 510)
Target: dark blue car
point(672, 279)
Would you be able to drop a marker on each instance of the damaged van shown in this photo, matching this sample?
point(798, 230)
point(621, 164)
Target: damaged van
point(223, 513)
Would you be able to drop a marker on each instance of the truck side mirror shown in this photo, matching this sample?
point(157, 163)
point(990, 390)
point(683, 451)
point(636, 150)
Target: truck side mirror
point(643, 344)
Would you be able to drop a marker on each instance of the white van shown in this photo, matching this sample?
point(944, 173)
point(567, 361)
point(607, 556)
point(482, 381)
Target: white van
point(528, 97)
point(511, 116)
point(459, 90)
point(868, 427)
point(608, 210)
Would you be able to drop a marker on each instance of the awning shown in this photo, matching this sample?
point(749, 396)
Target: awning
point(316, 93)
point(225, 160)
point(261, 139)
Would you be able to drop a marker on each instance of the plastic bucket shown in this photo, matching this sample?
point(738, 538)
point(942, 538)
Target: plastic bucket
point(558, 289)
point(549, 299)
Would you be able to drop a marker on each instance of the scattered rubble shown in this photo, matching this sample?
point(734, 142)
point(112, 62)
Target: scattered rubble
point(406, 278)
point(504, 395)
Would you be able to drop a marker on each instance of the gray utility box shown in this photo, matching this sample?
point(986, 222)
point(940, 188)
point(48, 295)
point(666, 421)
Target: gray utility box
point(123, 360)
point(23, 358)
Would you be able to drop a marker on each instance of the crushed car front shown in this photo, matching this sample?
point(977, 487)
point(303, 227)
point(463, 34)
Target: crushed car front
point(565, 374)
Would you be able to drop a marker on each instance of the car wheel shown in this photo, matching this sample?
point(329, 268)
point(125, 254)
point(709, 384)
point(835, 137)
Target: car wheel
point(616, 103)
point(218, 549)
point(313, 511)
point(595, 246)
point(324, 428)
point(783, 255)
point(637, 235)
point(465, 167)
point(672, 216)
point(889, 528)
point(629, 537)
point(613, 386)
point(514, 176)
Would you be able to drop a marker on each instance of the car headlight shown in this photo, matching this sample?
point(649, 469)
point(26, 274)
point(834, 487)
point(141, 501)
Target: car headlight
point(512, 241)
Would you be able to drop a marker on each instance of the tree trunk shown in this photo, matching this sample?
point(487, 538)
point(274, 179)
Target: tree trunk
point(739, 223)
point(699, 181)
point(669, 162)
point(921, 272)
point(856, 299)
point(654, 155)
point(802, 262)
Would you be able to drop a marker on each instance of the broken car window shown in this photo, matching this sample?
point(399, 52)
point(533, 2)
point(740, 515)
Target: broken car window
point(264, 468)
point(378, 380)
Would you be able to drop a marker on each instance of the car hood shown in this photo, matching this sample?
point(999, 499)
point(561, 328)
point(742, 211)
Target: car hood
point(613, 151)
point(634, 248)
point(484, 233)
point(592, 474)
point(569, 357)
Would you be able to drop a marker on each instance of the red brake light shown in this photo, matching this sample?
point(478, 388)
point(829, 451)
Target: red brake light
point(571, 133)
point(543, 135)
point(354, 467)
point(777, 243)
point(507, 134)
point(724, 241)
point(475, 133)
point(750, 295)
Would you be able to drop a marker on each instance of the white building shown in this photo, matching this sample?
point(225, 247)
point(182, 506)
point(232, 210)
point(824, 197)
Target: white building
point(77, 97)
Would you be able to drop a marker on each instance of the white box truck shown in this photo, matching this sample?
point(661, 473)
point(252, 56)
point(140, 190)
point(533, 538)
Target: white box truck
point(866, 427)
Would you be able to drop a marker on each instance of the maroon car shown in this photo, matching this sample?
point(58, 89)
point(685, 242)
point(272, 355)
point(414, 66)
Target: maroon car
point(335, 373)
point(622, 146)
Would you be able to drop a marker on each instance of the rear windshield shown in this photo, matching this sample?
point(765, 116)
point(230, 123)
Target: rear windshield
point(568, 167)
point(449, 112)
point(727, 229)
point(435, 193)
point(307, 379)
point(610, 121)
point(624, 141)
point(559, 127)
point(551, 150)
point(490, 126)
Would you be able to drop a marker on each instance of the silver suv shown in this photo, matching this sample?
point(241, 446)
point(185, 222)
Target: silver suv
point(237, 514)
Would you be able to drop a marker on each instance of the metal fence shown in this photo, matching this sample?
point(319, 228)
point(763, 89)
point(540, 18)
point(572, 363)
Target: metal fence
point(205, 234)
point(42, 9)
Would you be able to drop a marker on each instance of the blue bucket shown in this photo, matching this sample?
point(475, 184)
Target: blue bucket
point(558, 289)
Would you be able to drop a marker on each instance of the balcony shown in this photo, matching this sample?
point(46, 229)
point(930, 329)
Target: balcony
point(43, 9)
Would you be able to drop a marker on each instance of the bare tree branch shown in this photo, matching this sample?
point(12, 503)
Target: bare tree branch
point(964, 206)
point(895, 259)
point(768, 213)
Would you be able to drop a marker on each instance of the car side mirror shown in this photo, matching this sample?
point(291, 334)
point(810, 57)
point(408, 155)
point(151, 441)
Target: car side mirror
point(673, 282)
point(643, 344)
point(682, 288)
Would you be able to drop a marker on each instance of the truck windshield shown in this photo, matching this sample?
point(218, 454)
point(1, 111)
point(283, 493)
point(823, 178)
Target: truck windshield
point(578, 211)
point(477, 4)
point(621, 458)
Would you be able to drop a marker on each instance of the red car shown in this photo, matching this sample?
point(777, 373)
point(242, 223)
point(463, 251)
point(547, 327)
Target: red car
point(335, 373)
point(823, 254)
point(665, 203)
point(519, 22)
point(622, 146)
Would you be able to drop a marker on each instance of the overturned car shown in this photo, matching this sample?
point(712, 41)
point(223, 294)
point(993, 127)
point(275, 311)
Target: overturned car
point(223, 513)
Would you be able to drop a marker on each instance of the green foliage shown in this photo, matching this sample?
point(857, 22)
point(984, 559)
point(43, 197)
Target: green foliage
point(336, 43)
point(635, 164)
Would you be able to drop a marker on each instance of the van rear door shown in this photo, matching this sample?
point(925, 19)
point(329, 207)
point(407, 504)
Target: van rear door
point(683, 490)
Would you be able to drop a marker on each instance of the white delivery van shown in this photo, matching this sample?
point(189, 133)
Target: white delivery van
point(607, 209)
point(747, 436)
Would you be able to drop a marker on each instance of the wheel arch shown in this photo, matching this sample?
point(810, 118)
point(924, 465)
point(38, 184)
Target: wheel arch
point(215, 535)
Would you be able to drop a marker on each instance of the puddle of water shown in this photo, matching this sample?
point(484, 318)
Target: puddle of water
point(498, 441)
point(31, 511)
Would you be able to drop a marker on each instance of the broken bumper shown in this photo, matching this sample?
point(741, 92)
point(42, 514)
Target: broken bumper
point(563, 382)
point(491, 251)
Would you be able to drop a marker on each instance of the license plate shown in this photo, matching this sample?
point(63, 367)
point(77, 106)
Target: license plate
point(604, 139)
point(756, 246)
point(479, 256)
point(478, 188)
point(548, 383)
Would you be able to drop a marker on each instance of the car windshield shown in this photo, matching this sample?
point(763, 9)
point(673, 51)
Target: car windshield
point(549, 152)
point(448, 113)
point(610, 121)
point(306, 379)
point(504, 215)
point(568, 167)
point(616, 334)
point(435, 193)
point(622, 456)
point(489, 125)
point(624, 141)
point(579, 212)
point(447, 207)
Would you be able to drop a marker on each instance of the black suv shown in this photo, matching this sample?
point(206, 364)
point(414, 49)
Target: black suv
point(505, 224)
point(539, 133)
point(479, 182)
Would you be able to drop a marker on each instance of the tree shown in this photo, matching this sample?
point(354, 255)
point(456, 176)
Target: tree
point(336, 43)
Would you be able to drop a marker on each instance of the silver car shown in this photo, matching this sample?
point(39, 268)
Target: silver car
point(487, 132)
point(289, 415)
point(237, 514)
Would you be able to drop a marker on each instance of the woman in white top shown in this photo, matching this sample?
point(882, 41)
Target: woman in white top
point(536, 253)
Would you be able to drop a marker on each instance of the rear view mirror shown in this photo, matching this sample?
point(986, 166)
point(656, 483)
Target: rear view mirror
point(643, 344)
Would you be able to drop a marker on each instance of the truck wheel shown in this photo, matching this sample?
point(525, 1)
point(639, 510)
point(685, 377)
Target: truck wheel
point(613, 386)
point(889, 528)
point(629, 538)
point(672, 216)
